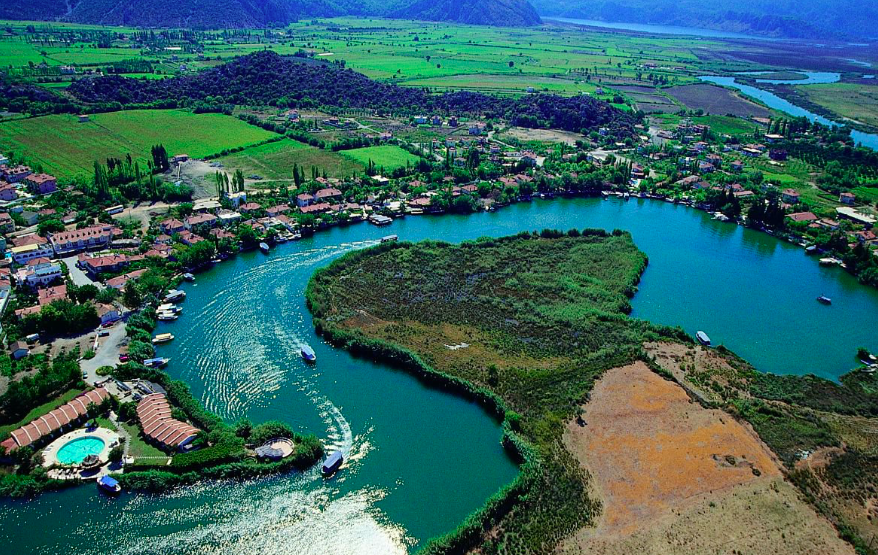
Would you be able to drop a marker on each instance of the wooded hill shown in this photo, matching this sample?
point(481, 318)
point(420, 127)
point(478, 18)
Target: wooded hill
point(268, 79)
point(261, 13)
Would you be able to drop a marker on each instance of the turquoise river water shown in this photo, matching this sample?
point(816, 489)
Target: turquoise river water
point(419, 459)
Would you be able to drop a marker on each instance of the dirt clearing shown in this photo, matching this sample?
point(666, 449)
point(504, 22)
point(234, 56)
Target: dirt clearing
point(675, 477)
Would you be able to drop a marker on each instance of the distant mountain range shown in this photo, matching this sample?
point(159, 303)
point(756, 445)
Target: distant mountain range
point(778, 18)
point(257, 13)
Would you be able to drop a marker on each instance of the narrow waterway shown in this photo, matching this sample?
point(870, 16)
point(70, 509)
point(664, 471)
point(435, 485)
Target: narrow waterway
point(771, 100)
point(420, 459)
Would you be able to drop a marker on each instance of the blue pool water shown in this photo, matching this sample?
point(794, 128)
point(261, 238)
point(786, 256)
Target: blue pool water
point(77, 450)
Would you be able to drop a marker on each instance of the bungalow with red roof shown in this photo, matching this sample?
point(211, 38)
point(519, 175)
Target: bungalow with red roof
point(802, 217)
point(19, 349)
point(327, 195)
point(7, 224)
point(304, 199)
point(172, 226)
point(189, 238)
point(107, 263)
point(45, 426)
point(220, 233)
point(108, 313)
point(790, 195)
point(847, 198)
point(41, 184)
point(49, 295)
point(7, 191)
point(315, 208)
point(249, 207)
point(120, 281)
point(154, 413)
point(273, 211)
point(737, 166)
point(198, 222)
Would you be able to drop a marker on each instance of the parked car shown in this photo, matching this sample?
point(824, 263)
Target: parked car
point(103, 333)
point(123, 358)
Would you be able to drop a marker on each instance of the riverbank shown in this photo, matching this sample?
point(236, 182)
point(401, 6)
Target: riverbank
point(434, 296)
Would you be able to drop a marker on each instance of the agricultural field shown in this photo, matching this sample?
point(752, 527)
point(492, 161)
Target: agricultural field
point(856, 102)
point(274, 161)
point(67, 148)
point(388, 157)
point(716, 100)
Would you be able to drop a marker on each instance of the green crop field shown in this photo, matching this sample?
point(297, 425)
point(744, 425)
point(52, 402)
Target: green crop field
point(855, 101)
point(274, 161)
point(67, 148)
point(388, 157)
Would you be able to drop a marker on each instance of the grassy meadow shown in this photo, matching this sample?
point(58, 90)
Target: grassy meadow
point(274, 161)
point(67, 148)
point(388, 157)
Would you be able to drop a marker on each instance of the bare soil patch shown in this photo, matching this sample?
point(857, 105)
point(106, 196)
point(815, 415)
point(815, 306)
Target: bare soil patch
point(675, 477)
point(543, 135)
point(716, 100)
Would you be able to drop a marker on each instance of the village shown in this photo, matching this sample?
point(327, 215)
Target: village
point(85, 283)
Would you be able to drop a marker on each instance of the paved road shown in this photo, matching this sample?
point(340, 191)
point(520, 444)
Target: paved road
point(78, 276)
point(107, 353)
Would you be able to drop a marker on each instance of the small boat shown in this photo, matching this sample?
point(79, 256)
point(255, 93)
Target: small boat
point(702, 338)
point(824, 299)
point(389, 238)
point(308, 354)
point(163, 338)
point(109, 485)
point(264, 247)
point(379, 220)
point(169, 307)
point(159, 362)
point(188, 277)
point(333, 463)
point(829, 261)
point(166, 316)
point(175, 295)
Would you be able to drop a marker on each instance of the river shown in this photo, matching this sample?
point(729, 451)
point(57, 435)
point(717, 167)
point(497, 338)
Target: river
point(771, 100)
point(421, 459)
point(658, 29)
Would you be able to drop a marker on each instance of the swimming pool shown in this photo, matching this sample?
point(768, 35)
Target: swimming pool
point(74, 452)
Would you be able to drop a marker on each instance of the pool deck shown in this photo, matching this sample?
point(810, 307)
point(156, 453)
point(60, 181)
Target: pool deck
point(109, 437)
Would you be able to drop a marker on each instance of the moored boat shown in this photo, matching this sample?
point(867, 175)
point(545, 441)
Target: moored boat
point(702, 338)
point(188, 277)
point(175, 295)
point(389, 238)
point(166, 316)
point(169, 307)
point(163, 338)
point(264, 247)
point(379, 220)
point(333, 463)
point(308, 354)
point(109, 485)
point(159, 362)
point(824, 299)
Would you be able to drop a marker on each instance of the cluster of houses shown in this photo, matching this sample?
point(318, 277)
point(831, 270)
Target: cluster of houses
point(41, 272)
point(19, 180)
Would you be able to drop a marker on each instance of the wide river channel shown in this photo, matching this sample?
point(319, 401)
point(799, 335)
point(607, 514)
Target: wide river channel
point(419, 459)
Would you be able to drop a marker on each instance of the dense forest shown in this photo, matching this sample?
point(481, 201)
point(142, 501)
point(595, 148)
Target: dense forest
point(266, 78)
